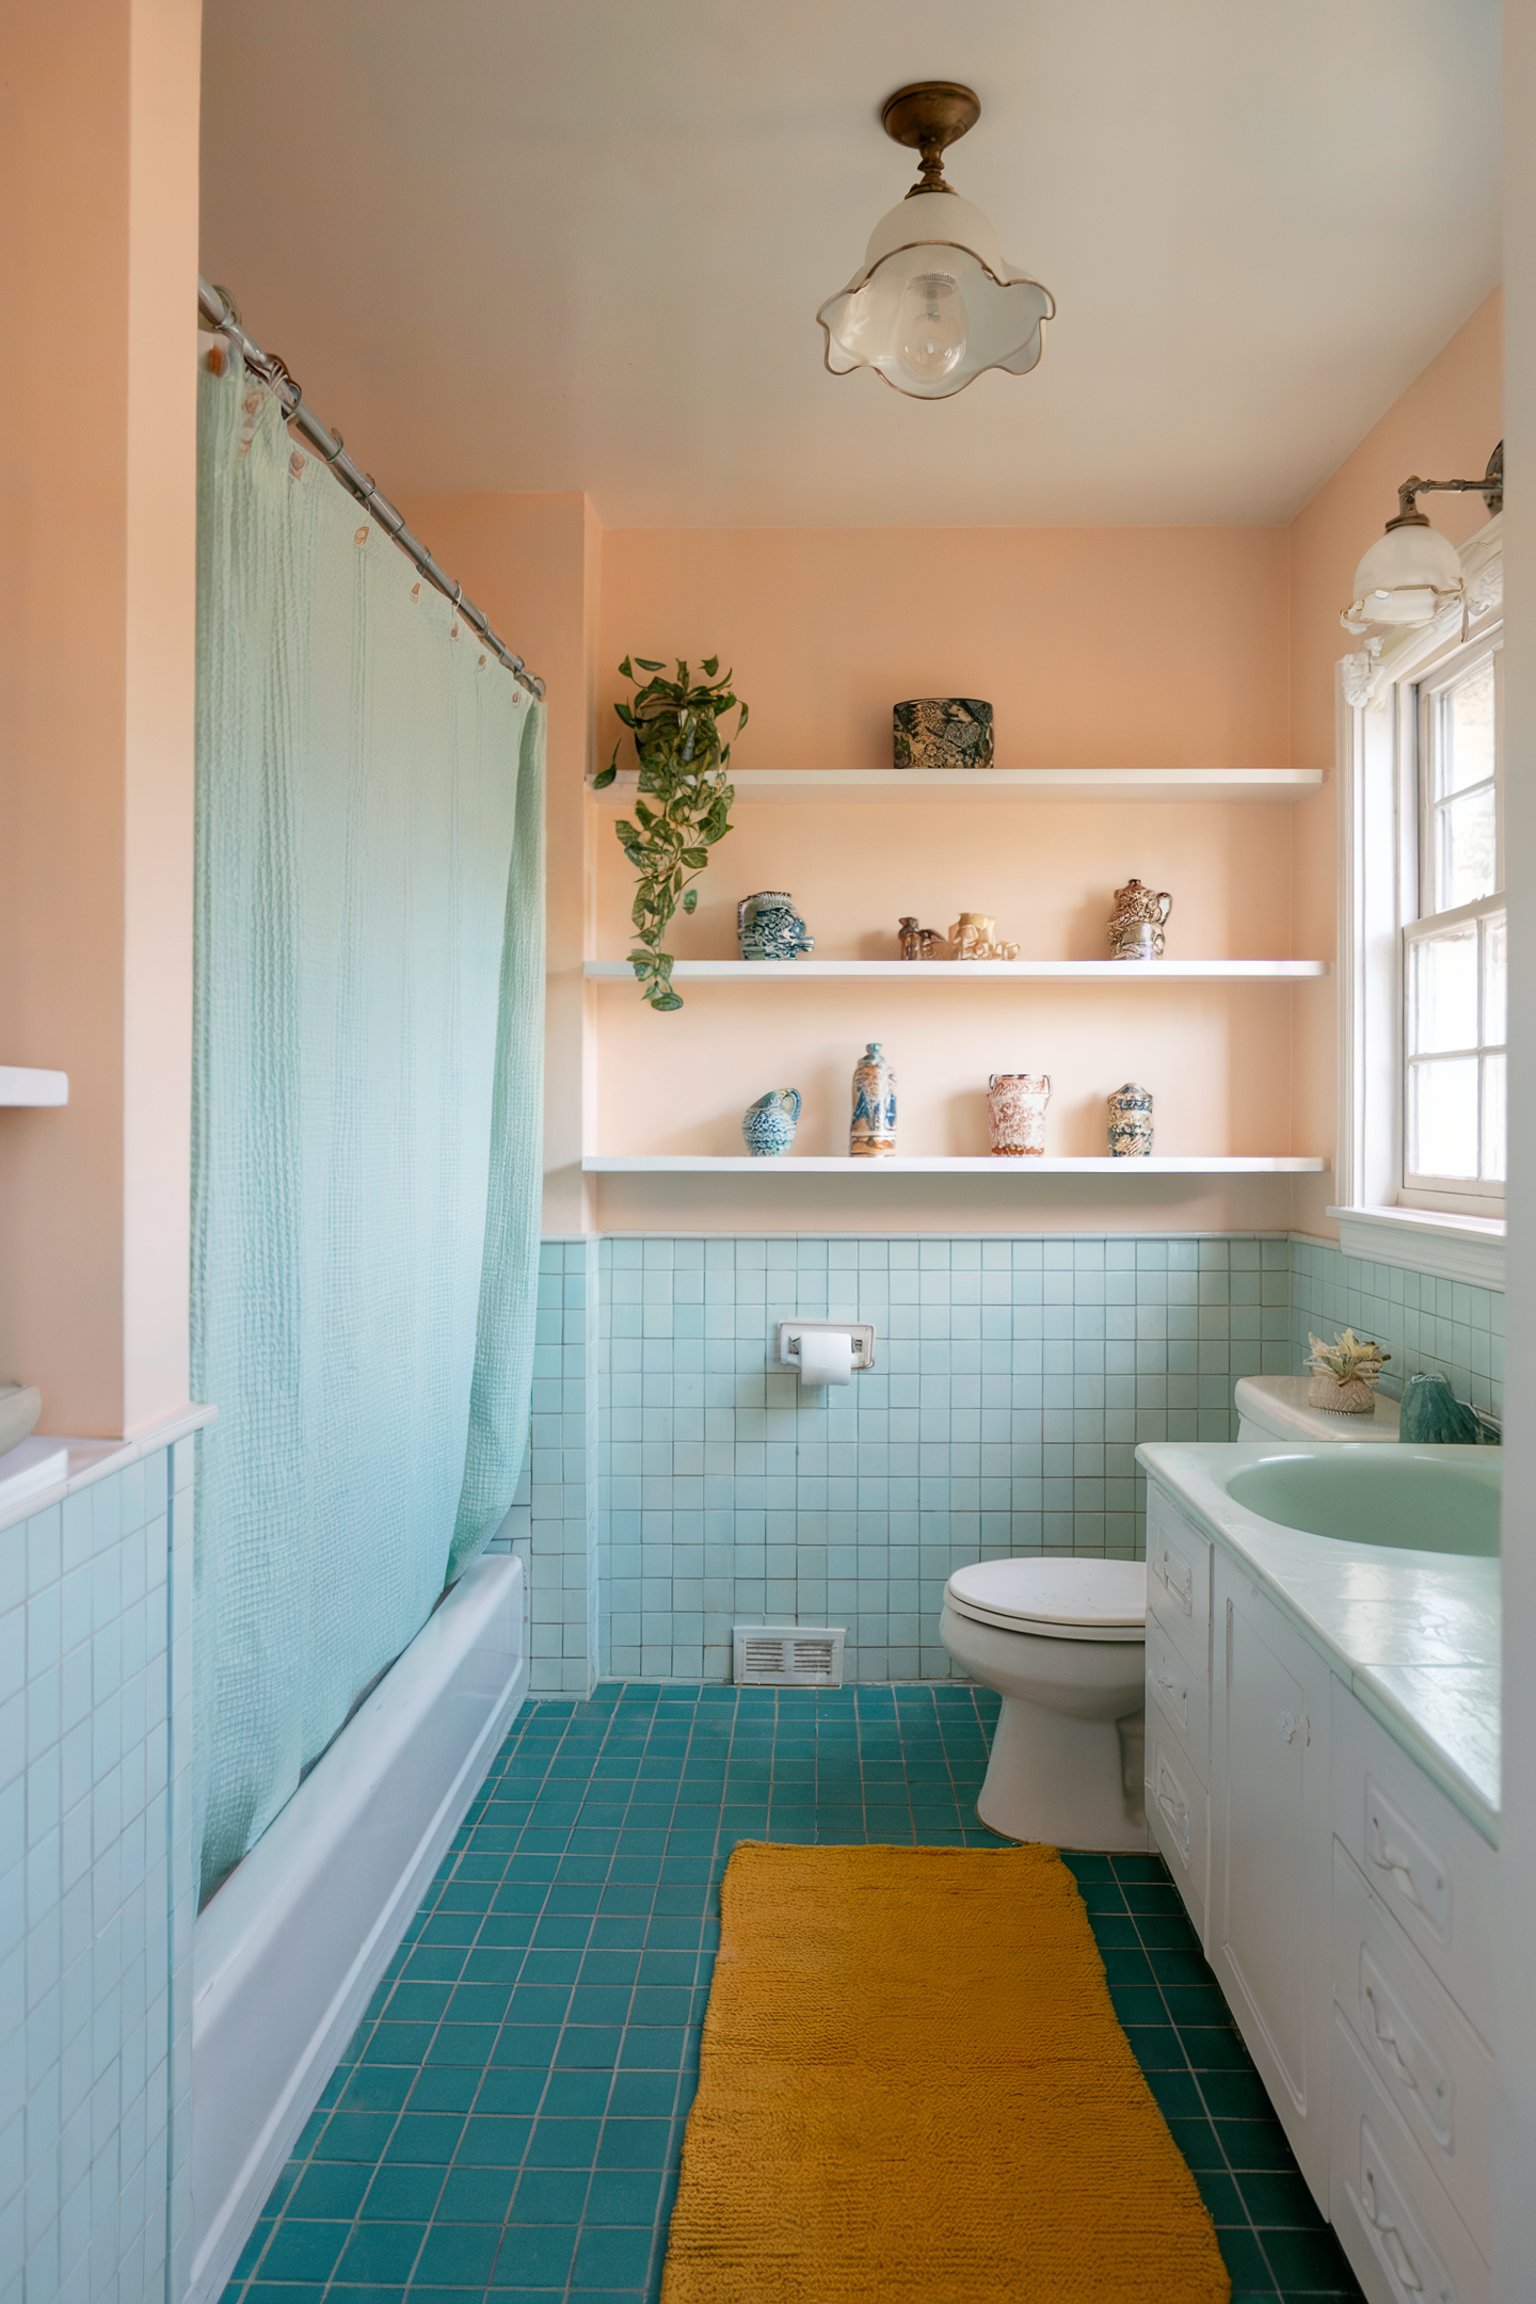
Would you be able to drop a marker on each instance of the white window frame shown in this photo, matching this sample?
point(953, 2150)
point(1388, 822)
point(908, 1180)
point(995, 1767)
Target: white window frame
point(1379, 854)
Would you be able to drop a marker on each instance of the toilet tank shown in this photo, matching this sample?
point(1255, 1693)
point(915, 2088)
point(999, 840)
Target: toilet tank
point(1275, 1408)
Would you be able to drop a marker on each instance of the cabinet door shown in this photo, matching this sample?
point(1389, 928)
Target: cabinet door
point(1271, 1840)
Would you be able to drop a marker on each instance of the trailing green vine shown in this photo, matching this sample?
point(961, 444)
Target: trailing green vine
point(682, 805)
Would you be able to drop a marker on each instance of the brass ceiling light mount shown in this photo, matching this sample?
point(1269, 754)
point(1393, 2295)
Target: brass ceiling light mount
point(935, 300)
point(929, 116)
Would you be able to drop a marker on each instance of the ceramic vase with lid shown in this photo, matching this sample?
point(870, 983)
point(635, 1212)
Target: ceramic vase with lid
point(1016, 1103)
point(1130, 1122)
point(768, 1126)
point(872, 1130)
point(769, 928)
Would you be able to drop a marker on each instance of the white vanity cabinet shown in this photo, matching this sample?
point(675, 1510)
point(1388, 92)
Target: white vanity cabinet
point(1271, 1834)
point(1346, 1906)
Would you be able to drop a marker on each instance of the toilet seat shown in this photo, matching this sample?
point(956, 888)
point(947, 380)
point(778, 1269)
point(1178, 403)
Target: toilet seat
point(1085, 1599)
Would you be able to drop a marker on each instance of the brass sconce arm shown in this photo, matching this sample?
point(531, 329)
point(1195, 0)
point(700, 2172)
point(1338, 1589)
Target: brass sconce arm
point(1490, 488)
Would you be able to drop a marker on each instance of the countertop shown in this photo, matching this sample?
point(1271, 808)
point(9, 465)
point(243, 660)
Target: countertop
point(1414, 1635)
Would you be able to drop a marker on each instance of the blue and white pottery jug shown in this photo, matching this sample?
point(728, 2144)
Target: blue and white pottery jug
point(768, 1126)
point(769, 928)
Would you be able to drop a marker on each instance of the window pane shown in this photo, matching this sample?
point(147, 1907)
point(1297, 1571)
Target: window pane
point(1467, 850)
point(1442, 1009)
point(1495, 979)
point(1465, 752)
point(1494, 1162)
point(1442, 1117)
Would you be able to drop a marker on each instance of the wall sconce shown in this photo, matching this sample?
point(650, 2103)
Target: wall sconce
point(934, 301)
point(1410, 573)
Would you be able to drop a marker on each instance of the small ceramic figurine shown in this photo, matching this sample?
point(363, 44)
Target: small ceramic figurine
point(769, 928)
point(872, 1131)
point(1137, 924)
point(974, 937)
point(942, 732)
point(1016, 1103)
point(919, 943)
point(1432, 1415)
point(1345, 1374)
point(768, 1126)
point(1130, 1122)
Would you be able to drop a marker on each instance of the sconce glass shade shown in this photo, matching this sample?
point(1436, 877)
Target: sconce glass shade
point(1406, 578)
point(935, 302)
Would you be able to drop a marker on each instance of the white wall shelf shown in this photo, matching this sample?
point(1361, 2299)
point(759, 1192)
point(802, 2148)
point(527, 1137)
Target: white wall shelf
point(944, 787)
point(960, 972)
point(24, 1084)
point(815, 1164)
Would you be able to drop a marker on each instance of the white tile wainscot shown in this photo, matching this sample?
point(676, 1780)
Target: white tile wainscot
point(1322, 1777)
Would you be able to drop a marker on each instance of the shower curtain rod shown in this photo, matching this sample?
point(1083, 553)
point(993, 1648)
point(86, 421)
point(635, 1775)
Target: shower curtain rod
point(218, 309)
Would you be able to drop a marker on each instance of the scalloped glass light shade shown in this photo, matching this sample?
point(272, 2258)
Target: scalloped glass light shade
point(935, 302)
point(1406, 578)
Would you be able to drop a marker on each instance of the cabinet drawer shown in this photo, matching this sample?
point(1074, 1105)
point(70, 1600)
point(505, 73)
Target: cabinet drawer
point(1425, 2056)
point(1183, 1692)
point(1179, 1816)
point(1179, 1578)
point(1406, 2242)
point(1431, 1870)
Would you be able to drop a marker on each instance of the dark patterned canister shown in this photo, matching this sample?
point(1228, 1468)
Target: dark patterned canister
point(942, 732)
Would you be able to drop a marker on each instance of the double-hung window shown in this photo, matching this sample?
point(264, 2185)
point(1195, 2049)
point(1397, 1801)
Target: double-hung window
point(1423, 948)
point(1454, 946)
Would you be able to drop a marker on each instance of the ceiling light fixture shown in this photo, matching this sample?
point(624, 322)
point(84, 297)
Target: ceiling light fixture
point(935, 301)
point(1412, 572)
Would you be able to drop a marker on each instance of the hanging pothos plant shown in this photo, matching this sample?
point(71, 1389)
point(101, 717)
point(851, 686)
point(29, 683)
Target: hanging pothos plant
point(682, 805)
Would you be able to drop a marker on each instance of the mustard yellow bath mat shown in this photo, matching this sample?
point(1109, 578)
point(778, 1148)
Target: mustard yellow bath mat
point(914, 2090)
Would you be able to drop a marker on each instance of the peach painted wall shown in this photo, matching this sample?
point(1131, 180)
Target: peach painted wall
point(1443, 426)
point(1099, 648)
point(532, 563)
point(98, 184)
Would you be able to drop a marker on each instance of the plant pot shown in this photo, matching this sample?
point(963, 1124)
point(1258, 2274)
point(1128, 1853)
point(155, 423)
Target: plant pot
point(1352, 1398)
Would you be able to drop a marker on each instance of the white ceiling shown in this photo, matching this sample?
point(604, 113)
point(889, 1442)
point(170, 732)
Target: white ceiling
point(512, 244)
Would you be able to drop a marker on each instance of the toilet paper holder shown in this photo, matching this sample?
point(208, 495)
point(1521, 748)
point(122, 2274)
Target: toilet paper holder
point(862, 1333)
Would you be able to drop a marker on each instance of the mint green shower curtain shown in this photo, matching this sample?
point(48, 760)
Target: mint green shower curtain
point(368, 973)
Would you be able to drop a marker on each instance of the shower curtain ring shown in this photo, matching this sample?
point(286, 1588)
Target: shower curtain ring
point(334, 455)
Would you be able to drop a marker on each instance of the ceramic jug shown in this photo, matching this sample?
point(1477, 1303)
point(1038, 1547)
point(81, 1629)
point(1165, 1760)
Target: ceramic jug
point(1130, 1122)
point(769, 928)
point(872, 1130)
point(1138, 908)
point(1016, 1103)
point(768, 1126)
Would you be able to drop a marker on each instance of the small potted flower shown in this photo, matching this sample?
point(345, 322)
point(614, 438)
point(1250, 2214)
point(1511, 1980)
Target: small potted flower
point(1345, 1374)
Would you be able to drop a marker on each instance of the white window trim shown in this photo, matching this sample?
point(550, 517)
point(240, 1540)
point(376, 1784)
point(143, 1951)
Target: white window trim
point(1372, 1223)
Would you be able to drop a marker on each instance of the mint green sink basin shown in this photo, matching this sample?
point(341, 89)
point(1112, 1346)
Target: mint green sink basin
point(1410, 1499)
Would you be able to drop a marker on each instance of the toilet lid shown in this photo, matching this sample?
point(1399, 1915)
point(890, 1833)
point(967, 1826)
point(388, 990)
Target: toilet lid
point(1085, 1599)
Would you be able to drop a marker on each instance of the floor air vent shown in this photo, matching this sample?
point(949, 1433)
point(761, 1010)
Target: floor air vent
point(789, 1655)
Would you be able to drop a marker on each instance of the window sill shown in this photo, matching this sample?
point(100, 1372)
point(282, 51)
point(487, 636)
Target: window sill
point(1466, 1248)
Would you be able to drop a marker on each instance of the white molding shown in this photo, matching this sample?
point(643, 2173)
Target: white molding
point(1467, 1248)
point(25, 1084)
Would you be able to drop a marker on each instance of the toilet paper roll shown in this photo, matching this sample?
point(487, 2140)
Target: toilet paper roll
point(826, 1356)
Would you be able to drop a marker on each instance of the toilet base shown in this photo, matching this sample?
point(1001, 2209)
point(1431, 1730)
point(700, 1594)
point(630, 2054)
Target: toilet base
point(1071, 1782)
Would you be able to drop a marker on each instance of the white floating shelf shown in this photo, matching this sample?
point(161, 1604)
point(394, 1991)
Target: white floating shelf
point(24, 1084)
point(839, 786)
point(965, 971)
point(815, 1164)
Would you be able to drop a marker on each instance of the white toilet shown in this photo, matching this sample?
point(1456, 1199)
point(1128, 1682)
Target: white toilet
point(1063, 1642)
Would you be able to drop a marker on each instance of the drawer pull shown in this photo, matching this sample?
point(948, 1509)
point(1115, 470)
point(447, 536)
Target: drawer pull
point(1386, 2041)
point(1178, 1581)
point(1389, 1858)
point(1177, 1813)
point(1397, 2256)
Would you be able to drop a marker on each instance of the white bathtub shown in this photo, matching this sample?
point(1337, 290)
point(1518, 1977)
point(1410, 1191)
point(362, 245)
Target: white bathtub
point(287, 1954)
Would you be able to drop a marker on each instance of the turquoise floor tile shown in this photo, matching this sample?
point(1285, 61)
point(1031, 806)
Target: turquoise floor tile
point(507, 2123)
